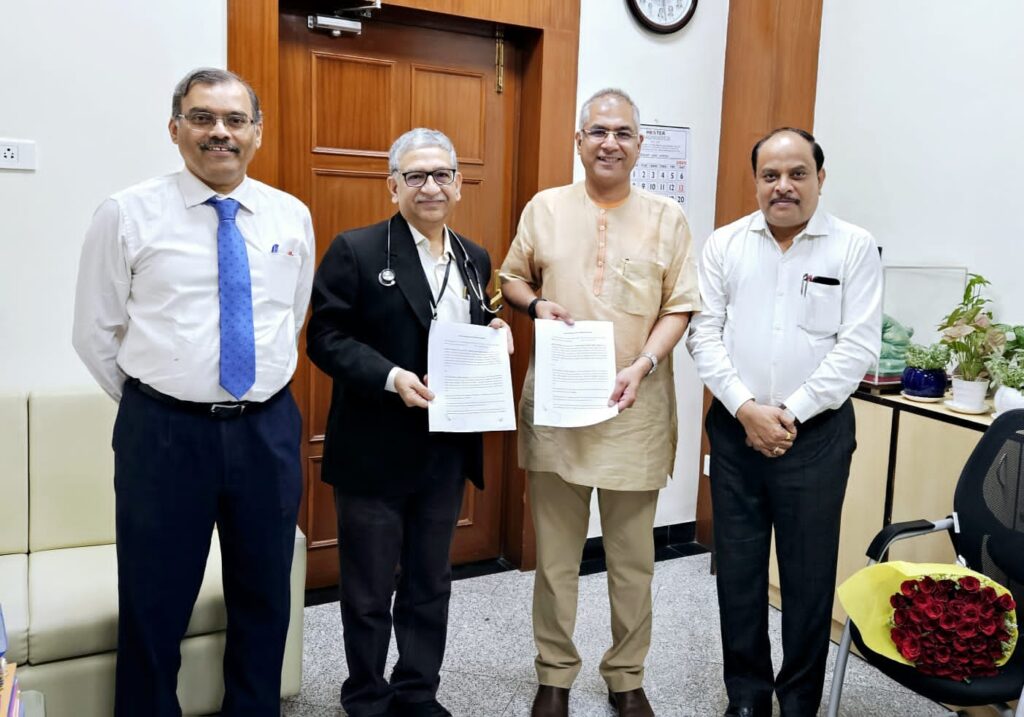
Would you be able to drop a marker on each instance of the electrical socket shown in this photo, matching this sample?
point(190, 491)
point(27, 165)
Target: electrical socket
point(17, 154)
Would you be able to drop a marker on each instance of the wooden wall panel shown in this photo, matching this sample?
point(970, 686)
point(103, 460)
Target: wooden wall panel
point(462, 119)
point(337, 127)
point(771, 76)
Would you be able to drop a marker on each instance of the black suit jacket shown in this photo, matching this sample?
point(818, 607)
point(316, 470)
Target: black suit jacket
point(359, 330)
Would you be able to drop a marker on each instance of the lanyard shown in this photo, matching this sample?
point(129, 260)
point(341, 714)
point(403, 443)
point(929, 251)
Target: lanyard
point(434, 303)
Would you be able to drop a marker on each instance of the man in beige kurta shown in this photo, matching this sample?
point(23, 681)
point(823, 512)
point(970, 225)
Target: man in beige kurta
point(602, 250)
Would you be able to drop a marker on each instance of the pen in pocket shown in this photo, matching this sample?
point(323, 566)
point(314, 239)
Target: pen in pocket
point(812, 279)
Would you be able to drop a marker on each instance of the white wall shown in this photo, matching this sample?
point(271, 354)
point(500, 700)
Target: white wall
point(919, 110)
point(675, 80)
point(91, 83)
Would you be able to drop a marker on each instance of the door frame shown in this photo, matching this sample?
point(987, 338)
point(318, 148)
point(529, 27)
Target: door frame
point(547, 33)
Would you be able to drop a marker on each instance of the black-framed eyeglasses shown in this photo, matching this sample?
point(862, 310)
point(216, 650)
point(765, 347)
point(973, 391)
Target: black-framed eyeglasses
point(233, 122)
point(417, 178)
point(600, 134)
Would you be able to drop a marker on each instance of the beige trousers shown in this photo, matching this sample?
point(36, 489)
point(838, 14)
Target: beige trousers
point(561, 514)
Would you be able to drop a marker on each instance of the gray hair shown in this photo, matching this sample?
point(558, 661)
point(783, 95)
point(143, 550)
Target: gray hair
point(609, 92)
point(420, 138)
point(212, 76)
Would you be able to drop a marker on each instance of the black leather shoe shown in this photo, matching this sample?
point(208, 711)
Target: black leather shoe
point(550, 702)
point(430, 708)
point(632, 703)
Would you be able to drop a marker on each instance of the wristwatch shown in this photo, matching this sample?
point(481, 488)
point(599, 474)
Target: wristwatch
point(532, 308)
point(653, 359)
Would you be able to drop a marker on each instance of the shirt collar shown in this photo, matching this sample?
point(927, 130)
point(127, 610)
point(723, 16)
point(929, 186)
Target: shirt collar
point(817, 225)
point(423, 244)
point(196, 192)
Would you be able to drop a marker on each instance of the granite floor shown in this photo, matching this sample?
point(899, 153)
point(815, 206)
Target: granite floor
point(489, 663)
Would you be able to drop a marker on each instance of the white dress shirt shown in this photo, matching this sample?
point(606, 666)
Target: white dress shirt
point(147, 302)
point(767, 334)
point(453, 304)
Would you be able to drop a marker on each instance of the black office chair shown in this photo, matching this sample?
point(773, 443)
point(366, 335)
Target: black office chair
point(987, 531)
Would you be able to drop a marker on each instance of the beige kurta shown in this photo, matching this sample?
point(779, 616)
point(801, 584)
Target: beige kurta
point(630, 264)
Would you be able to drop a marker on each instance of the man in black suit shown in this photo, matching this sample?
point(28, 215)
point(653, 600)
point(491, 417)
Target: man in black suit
point(397, 487)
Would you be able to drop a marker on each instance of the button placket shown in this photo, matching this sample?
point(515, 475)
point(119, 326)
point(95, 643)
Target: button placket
point(602, 240)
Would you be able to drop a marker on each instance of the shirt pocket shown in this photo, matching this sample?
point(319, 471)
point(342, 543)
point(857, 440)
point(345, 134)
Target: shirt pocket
point(821, 308)
point(282, 271)
point(638, 287)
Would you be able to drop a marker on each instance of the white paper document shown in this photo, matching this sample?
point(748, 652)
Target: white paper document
point(469, 373)
point(573, 373)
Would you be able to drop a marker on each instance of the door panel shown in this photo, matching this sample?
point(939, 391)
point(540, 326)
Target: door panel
point(343, 102)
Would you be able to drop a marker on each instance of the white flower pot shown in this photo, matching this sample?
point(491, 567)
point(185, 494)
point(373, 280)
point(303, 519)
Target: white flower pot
point(1008, 399)
point(970, 394)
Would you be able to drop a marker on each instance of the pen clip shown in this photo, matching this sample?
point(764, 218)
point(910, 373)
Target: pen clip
point(803, 284)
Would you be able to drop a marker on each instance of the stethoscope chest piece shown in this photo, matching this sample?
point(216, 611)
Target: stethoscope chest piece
point(386, 277)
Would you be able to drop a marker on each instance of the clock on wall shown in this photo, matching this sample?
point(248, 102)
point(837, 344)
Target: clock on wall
point(662, 16)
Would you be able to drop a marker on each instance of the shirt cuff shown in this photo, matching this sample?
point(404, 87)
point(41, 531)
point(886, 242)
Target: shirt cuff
point(802, 405)
point(389, 384)
point(735, 396)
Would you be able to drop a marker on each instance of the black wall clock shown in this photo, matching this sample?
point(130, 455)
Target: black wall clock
point(662, 16)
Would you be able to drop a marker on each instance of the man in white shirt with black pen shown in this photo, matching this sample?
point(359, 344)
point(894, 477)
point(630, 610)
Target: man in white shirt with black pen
point(791, 322)
point(192, 289)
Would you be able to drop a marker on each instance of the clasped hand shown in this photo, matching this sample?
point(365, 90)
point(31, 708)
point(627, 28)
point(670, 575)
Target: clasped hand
point(770, 431)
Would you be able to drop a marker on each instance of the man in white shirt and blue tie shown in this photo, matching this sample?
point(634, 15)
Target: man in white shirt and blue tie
point(192, 289)
point(791, 323)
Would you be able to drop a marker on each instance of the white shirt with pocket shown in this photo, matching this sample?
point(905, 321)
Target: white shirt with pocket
point(798, 328)
point(147, 302)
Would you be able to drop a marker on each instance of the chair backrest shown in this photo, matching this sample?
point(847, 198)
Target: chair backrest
point(71, 470)
point(989, 502)
point(13, 473)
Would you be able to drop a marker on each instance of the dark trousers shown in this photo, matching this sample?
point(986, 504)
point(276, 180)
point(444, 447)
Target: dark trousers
point(404, 542)
point(800, 495)
point(176, 475)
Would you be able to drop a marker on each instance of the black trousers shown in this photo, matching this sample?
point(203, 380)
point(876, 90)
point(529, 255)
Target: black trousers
point(399, 542)
point(176, 475)
point(800, 495)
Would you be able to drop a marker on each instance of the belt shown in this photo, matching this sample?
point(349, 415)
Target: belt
point(220, 410)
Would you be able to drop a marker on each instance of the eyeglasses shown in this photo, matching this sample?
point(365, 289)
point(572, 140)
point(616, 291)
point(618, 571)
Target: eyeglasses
point(234, 122)
point(418, 178)
point(600, 134)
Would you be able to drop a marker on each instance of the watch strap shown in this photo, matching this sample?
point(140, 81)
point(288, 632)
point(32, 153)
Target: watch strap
point(532, 308)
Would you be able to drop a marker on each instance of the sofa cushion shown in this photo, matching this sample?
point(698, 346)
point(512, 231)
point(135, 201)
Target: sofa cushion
point(71, 464)
point(13, 474)
point(73, 601)
point(14, 600)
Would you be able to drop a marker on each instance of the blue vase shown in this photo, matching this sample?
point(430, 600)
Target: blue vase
point(924, 382)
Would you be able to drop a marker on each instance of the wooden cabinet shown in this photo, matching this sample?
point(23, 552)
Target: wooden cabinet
point(915, 478)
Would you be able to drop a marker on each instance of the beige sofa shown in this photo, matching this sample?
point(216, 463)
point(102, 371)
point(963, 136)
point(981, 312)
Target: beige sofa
point(58, 567)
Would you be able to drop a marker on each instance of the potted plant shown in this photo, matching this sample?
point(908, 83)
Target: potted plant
point(925, 374)
point(1008, 374)
point(973, 337)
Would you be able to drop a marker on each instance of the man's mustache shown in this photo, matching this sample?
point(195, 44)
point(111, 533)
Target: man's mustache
point(219, 145)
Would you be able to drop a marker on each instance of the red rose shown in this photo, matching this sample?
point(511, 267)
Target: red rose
point(897, 601)
point(911, 649)
point(934, 610)
point(1006, 602)
point(966, 630)
point(945, 585)
point(970, 583)
point(926, 585)
point(908, 587)
point(942, 654)
point(970, 613)
point(988, 627)
point(988, 593)
point(948, 621)
point(915, 614)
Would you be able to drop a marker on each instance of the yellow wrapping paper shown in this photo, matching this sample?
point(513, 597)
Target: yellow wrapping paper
point(865, 597)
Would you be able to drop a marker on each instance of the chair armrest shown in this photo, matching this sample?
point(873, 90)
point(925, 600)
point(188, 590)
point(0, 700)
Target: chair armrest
point(901, 531)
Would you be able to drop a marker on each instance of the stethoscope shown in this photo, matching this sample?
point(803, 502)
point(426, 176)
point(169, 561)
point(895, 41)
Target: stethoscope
point(387, 277)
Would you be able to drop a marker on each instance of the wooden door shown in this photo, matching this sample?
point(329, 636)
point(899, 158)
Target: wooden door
point(343, 102)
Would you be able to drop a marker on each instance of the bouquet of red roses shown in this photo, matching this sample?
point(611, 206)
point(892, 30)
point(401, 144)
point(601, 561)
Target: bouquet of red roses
point(945, 620)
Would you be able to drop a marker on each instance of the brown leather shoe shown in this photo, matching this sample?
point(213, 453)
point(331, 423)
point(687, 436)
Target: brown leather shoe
point(631, 704)
point(550, 702)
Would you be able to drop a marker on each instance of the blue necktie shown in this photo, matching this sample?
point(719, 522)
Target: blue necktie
point(237, 341)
